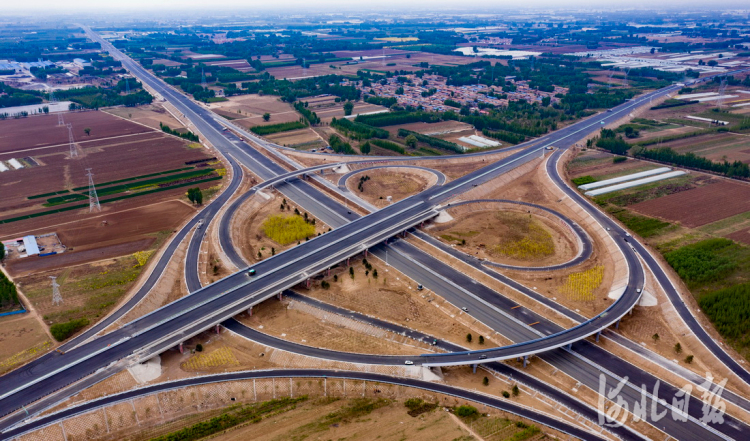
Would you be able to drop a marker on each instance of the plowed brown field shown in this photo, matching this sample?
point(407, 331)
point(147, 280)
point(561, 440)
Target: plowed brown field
point(39, 131)
point(699, 206)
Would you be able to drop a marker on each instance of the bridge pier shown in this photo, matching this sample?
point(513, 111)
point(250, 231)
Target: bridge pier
point(218, 329)
point(617, 325)
point(280, 296)
point(570, 346)
point(525, 360)
point(404, 234)
point(308, 282)
point(250, 311)
point(328, 272)
point(598, 334)
point(182, 350)
point(474, 368)
point(367, 252)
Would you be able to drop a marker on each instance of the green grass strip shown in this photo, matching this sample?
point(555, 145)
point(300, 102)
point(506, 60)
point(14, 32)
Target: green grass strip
point(127, 196)
point(156, 181)
point(132, 179)
point(44, 195)
point(276, 128)
point(59, 200)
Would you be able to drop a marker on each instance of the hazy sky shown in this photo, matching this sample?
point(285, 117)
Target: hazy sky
point(301, 6)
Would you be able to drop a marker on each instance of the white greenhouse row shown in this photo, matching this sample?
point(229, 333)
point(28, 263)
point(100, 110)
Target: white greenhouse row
point(635, 183)
point(625, 178)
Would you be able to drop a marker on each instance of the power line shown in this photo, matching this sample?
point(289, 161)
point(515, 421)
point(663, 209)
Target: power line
point(56, 296)
point(93, 198)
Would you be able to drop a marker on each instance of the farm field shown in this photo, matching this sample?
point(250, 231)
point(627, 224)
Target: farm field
point(19, 136)
point(303, 138)
point(150, 115)
point(716, 201)
point(89, 291)
point(599, 165)
point(715, 146)
point(248, 110)
point(133, 151)
point(22, 338)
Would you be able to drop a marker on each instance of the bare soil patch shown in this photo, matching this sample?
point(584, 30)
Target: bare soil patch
point(390, 423)
point(600, 166)
point(21, 339)
point(254, 106)
point(508, 237)
point(431, 129)
point(276, 318)
point(393, 297)
point(717, 201)
point(399, 184)
point(150, 115)
point(741, 236)
point(294, 138)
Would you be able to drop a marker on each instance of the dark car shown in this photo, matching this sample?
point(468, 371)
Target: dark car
point(251, 272)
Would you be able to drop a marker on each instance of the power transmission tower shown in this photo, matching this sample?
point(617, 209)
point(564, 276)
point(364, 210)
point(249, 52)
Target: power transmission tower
point(73, 149)
point(93, 198)
point(53, 100)
point(722, 90)
point(56, 296)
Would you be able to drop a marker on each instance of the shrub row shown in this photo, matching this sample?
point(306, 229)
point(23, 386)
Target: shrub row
point(276, 128)
point(62, 331)
point(127, 196)
point(363, 130)
point(434, 142)
point(388, 145)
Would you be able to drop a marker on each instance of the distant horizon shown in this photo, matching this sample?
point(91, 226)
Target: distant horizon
point(180, 7)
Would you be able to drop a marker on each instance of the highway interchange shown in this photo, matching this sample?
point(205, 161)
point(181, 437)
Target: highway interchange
point(217, 302)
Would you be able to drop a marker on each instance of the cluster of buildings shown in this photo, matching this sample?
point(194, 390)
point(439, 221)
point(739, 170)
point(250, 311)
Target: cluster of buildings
point(468, 95)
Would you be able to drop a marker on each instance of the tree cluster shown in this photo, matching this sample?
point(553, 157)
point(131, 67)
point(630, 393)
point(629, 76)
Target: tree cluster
point(195, 195)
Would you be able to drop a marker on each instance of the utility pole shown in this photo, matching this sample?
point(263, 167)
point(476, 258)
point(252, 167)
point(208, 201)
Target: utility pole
point(203, 78)
point(56, 297)
point(73, 149)
point(93, 198)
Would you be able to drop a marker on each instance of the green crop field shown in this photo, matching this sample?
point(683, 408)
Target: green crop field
point(287, 229)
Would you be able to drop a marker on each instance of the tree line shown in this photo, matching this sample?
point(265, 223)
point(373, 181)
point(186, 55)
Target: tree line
point(8, 293)
point(190, 136)
point(734, 169)
point(357, 130)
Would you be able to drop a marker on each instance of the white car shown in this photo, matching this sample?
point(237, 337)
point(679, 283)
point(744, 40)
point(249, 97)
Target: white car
point(409, 362)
